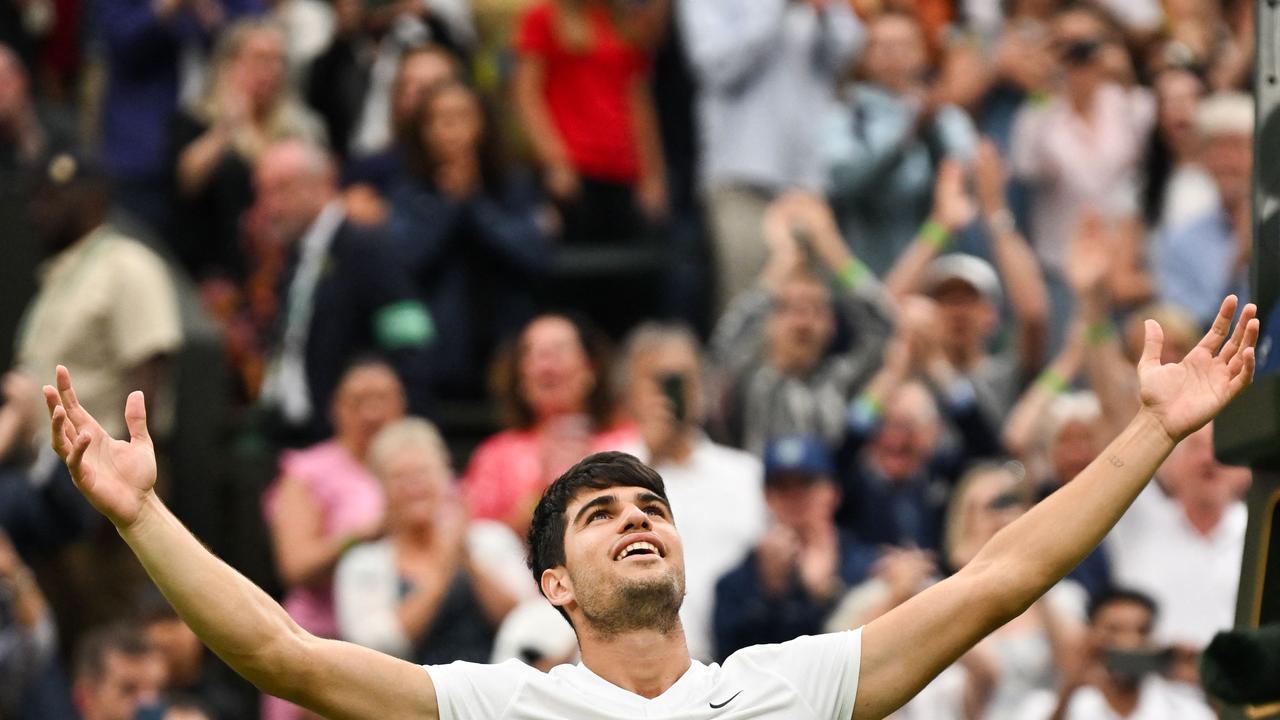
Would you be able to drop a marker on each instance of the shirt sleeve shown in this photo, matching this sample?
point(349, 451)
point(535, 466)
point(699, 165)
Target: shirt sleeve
point(144, 312)
point(823, 669)
point(471, 691)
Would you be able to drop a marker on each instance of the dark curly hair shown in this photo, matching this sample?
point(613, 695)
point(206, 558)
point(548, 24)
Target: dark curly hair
point(595, 472)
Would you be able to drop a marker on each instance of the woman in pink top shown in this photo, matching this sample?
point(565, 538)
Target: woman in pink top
point(553, 382)
point(325, 501)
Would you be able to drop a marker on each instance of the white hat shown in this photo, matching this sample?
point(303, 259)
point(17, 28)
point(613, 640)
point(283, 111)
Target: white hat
point(1225, 113)
point(969, 269)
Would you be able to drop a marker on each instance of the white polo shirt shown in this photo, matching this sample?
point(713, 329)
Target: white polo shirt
point(1193, 578)
point(809, 678)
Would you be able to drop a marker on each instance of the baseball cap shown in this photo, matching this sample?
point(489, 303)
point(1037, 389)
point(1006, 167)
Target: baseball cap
point(797, 456)
point(969, 269)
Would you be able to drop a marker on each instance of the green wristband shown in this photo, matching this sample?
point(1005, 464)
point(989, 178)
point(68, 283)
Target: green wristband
point(935, 235)
point(1052, 381)
point(1100, 332)
point(852, 274)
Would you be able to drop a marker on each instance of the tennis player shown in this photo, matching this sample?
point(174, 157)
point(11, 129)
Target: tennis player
point(607, 553)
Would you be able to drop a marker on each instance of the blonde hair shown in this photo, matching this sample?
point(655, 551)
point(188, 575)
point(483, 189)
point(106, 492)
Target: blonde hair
point(957, 547)
point(402, 434)
point(1081, 407)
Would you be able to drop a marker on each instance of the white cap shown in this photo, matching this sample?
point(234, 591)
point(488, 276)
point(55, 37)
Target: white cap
point(969, 269)
point(1225, 113)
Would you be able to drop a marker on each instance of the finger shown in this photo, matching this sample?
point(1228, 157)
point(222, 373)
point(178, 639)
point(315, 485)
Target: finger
point(1241, 379)
point(1212, 340)
point(51, 399)
point(79, 417)
point(135, 417)
point(1235, 342)
point(62, 438)
point(1153, 345)
point(80, 445)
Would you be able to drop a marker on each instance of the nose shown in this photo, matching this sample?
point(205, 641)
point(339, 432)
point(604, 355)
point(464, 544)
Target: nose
point(635, 519)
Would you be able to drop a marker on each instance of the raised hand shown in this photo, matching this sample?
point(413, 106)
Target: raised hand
point(116, 476)
point(1183, 396)
point(952, 206)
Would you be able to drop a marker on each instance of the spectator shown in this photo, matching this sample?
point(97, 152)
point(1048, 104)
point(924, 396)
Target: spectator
point(791, 581)
point(968, 292)
point(1178, 188)
point(28, 135)
point(144, 47)
point(467, 233)
point(774, 344)
point(342, 293)
point(192, 672)
point(28, 638)
point(895, 467)
point(1032, 651)
point(536, 634)
point(422, 592)
point(117, 674)
point(553, 383)
point(714, 490)
point(882, 143)
point(1210, 253)
point(247, 106)
point(1182, 543)
point(1083, 148)
point(325, 501)
point(765, 71)
point(582, 91)
point(1109, 688)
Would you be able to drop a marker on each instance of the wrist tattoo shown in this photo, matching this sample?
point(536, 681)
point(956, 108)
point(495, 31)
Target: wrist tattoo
point(1115, 460)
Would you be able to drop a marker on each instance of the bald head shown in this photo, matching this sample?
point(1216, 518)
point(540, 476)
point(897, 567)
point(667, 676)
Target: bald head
point(294, 180)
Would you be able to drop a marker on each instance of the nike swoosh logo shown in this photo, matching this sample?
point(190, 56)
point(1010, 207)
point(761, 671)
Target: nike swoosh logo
point(726, 702)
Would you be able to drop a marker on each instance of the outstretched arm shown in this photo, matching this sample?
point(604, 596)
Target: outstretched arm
point(904, 649)
point(239, 622)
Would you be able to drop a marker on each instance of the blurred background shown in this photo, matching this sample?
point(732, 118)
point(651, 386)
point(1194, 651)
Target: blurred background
point(863, 280)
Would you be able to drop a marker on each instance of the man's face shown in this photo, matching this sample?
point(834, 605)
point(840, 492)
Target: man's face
point(1196, 478)
point(965, 316)
point(801, 326)
point(895, 56)
point(1121, 625)
point(624, 562)
point(1229, 159)
point(907, 435)
point(802, 503)
point(1074, 446)
point(128, 682)
point(290, 193)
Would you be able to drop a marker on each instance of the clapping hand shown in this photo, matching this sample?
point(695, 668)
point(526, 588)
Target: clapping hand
point(1181, 397)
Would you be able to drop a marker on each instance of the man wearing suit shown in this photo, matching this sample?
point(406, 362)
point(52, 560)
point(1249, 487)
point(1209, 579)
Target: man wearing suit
point(343, 294)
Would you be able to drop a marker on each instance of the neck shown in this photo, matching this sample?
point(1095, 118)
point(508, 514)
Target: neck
point(1204, 516)
point(644, 662)
point(1121, 696)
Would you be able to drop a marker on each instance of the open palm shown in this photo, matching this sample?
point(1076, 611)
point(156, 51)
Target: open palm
point(115, 475)
point(1184, 396)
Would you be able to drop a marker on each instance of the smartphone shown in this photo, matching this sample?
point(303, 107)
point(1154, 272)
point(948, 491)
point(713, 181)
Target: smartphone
point(1135, 664)
point(673, 388)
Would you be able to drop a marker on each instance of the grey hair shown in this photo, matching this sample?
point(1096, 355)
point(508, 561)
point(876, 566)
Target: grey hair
point(646, 338)
point(402, 434)
point(1081, 406)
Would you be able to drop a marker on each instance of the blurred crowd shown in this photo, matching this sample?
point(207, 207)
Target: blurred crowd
point(862, 280)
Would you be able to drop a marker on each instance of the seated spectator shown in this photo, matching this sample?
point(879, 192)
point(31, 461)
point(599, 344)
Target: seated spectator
point(1083, 148)
point(764, 71)
point(715, 491)
point(197, 681)
point(422, 592)
point(1121, 674)
point(117, 674)
point(582, 91)
point(28, 639)
point(895, 466)
point(247, 106)
point(553, 383)
point(1210, 253)
point(343, 293)
point(883, 140)
point(467, 234)
point(325, 501)
point(1182, 543)
point(791, 581)
point(1033, 651)
point(774, 344)
point(969, 293)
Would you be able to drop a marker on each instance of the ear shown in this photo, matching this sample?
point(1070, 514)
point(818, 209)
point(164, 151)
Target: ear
point(557, 587)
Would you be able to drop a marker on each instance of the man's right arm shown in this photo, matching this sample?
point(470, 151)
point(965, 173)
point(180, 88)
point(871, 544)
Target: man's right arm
point(237, 620)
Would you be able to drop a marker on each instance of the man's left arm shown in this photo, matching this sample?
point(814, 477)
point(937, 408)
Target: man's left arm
point(907, 647)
